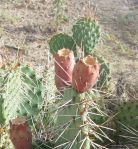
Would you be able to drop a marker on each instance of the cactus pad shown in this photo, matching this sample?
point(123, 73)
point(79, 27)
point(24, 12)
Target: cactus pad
point(128, 114)
point(86, 33)
point(23, 93)
point(105, 74)
point(74, 123)
point(69, 122)
point(127, 123)
point(61, 41)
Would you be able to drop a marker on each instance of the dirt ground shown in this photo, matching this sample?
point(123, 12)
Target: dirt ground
point(27, 25)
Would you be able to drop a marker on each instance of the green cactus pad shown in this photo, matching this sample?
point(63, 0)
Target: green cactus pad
point(61, 41)
point(127, 122)
point(69, 125)
point(86, 33)
point(105, 74)
point(23, 93)
point(69, 121)
point(128, 114)
point(72, 126)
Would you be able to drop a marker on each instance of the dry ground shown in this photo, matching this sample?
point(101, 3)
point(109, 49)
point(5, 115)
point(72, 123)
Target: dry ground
point(27, 25)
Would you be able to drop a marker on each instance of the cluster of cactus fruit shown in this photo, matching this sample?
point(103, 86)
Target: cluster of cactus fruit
point(86, 34)
point(80, 122)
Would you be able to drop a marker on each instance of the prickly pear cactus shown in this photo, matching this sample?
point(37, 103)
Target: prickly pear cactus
point(127, 122)
point(105, 74)
point(23, 93)
point(86, 33)
point(61, 41)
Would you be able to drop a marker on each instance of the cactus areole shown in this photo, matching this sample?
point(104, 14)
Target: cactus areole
point(64, 64)
point(85, 74)
point(20, 133)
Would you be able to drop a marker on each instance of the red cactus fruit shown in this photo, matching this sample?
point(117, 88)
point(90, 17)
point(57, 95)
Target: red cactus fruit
point(20, 133)
point(64, 64)
point(85, 74)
